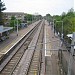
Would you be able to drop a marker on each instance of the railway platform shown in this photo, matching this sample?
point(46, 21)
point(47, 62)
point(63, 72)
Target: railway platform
point(52, 45)
point(13, 38)
point(5, 52)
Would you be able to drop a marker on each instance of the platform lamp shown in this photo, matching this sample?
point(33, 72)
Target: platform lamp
point(17, 27)
point(17, 24)
point(53, 24)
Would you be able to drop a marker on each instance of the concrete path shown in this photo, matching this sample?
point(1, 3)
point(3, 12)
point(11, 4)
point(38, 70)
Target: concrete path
point(51, 44)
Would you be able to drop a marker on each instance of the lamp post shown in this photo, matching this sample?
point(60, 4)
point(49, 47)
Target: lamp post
point(14, 25)
point(53, 24)
point(32, 18)
point(17, 24)
point(17, 27)
point(62, 29)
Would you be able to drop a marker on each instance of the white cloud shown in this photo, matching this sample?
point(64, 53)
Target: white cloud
point(41, 6)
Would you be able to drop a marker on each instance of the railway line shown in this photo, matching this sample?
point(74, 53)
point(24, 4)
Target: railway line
point(32, 56)
point(10, 60)
point(35, 65)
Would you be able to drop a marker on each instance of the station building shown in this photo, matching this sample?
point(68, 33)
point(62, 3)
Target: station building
point(4, 32)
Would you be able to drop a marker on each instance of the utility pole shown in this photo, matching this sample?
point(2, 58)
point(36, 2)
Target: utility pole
point(14, 25)
point(62, 30)
point(70, 65)
point(53, 25)
point(32, 18)
point(17, 27)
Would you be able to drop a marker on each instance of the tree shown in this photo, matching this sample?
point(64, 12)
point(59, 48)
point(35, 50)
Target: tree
point(48, 17)
point(29, 17)
point(70, 13)
point(63, 15)
point(13, 17)
point(2, 8)
point(13, 22)
point(68, 22)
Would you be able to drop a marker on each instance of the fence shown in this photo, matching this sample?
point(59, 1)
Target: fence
point(63, 59)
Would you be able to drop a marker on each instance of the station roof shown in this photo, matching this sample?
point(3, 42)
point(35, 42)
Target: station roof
point(70, 36)
point(4, 29)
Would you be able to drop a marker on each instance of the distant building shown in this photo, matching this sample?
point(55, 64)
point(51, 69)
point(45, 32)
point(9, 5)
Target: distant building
point(7, 16)
point(18, 15)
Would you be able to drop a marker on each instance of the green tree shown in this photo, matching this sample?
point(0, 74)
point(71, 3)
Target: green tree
point(57, 17)
point(13, 22)
point(63, 15)
point(70, 13)
point(40, 16)
point(28, 17)
point(2, 8)
point(13, 18)
point(48, 17)
point(68, 22)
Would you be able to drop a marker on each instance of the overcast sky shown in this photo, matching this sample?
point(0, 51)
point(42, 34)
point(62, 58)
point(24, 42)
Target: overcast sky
point(54, 7)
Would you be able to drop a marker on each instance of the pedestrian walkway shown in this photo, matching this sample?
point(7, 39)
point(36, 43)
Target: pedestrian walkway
point(52, 44)
point(13, 38)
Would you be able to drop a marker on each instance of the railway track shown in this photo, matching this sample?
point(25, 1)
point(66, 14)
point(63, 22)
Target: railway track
point(32, 56)
point(35, 65)
point(17, 53)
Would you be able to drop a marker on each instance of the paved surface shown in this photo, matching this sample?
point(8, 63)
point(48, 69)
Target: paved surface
point(52, 43)
point(13, 38)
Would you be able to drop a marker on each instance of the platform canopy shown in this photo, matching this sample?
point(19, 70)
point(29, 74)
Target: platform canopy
point(70, 36)
point(4, 29)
